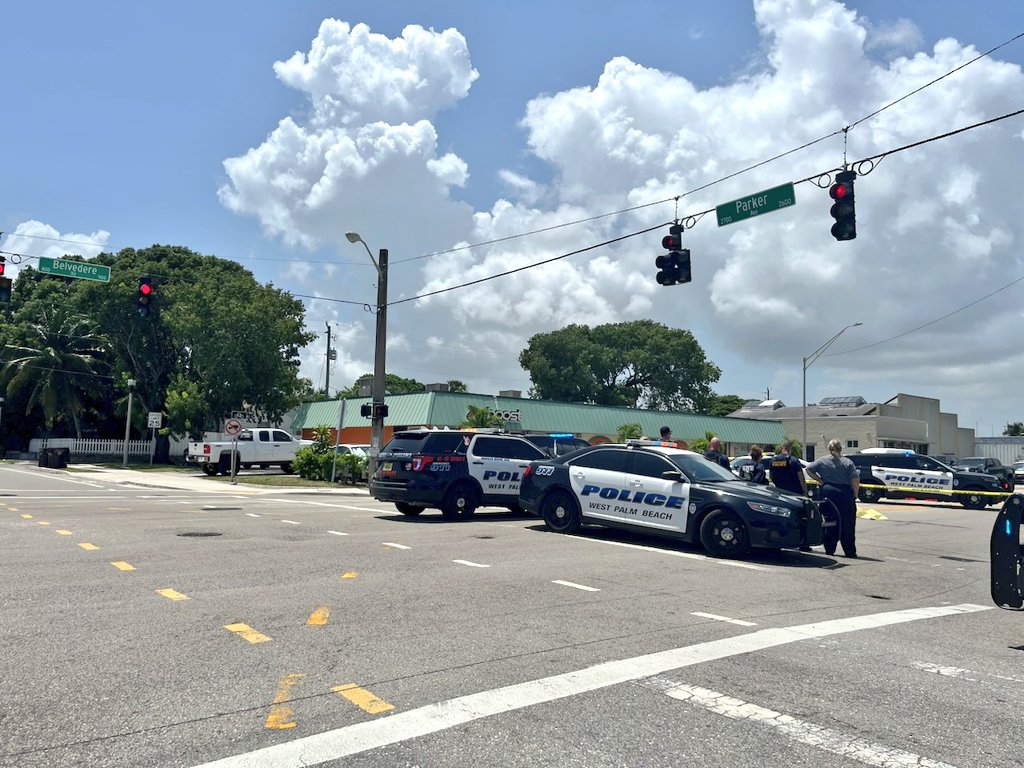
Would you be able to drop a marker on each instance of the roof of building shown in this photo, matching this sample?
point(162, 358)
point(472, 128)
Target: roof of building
point(814, 411)
point(449, 409)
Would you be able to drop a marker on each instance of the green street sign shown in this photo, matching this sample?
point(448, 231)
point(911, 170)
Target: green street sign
point(83, 270)
point(754, 205)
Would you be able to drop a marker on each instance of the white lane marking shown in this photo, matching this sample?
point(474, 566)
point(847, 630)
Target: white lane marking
point(371, 734)
point(395, 546)
point(471, 563)
point(689, 555)
point(312, 503)
point(818, 736)
point(291, 522)
point(52, 477)
point(726, 619)
point(575, 585)
point(251, 514)
point(338, 533)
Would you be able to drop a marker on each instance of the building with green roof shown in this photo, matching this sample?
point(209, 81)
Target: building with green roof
point(595, 423)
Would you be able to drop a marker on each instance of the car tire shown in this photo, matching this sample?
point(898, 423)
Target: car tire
point(973, 500)
point(224, 465)
point(287, 467)
point(561, 513)
point(209, 469)
point(407, 509)
point(869, 495)
point(724, 534)
point(459, 503)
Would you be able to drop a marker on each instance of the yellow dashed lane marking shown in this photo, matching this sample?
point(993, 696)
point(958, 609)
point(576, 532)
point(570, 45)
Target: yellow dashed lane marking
point(280, 717)
point(62, 532)
point(246, 632)
point(349, 575)
point(363, 699)
point(172, 594)
point(41, 522)
point(27, 517)
point(121, 565)
point(318, 618)
point(13, 509)
point(87, 545)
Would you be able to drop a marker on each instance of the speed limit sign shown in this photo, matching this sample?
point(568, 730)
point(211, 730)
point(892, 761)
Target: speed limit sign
point(232, 427)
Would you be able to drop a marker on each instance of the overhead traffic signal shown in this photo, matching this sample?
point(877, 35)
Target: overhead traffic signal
point(3, 265)
point(144, 297)
point(843, 210)
point(5, 290)
point(674, 266)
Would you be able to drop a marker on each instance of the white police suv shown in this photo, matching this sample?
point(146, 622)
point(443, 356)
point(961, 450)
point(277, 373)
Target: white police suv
point(660, 488)
point(455, 471)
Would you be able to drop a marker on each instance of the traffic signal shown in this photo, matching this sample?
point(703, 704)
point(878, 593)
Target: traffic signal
point(5, 290)
point(843, 210)
point(145, 297)
point(674, 266)
point(3, 265)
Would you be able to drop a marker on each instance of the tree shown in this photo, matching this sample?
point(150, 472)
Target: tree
point(454, 385)
point(630, 431)
point(393, 385)
point(638, 364)
point(723, 405)
point(58, 366)
point(480, 416)
point(1014, 429)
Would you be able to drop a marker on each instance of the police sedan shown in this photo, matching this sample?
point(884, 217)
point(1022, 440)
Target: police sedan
point(659, 488)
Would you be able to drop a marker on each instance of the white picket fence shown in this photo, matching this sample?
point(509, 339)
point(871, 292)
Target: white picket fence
point(95, 447)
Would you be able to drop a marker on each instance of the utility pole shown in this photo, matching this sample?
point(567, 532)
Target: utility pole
point(380, 349)
point(327, 365)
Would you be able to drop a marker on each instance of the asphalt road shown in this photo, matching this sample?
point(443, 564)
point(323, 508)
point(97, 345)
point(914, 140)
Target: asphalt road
point(148, 626)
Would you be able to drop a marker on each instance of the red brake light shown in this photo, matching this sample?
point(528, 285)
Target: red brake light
point(206, 447)
point(422, 463)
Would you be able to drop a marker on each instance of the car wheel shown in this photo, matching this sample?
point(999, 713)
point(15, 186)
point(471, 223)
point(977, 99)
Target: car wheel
point(974, 501)
point(224, 465)
point(869, 495)
point(287, 467)
point(407, 509)
point(209, 469)
point(723, 534)
point(459, 503)
point(561, 514)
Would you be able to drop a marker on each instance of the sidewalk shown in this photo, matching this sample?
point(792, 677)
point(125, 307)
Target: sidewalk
point(182, 481)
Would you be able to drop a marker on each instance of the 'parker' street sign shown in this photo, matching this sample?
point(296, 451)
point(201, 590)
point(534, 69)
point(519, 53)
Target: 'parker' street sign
point(753, 205)
point(83, 270)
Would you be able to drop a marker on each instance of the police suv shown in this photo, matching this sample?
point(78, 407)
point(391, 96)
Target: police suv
point(659, 488)
point(452, 470)
point(901, 474)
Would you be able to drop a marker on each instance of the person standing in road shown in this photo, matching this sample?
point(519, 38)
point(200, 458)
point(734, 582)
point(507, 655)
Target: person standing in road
point(666, 434)
point(714, 453)
point(787, 473)
point(759, 469)
point(840, 483)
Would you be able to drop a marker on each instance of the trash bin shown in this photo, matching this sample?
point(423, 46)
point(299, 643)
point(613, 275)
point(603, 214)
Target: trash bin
point(59, 458)
point(44, 457)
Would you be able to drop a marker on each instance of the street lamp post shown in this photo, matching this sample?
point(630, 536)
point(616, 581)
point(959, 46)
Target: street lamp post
point(2, 451)
point(127, 424)
point(808, 362)
point(380, 348)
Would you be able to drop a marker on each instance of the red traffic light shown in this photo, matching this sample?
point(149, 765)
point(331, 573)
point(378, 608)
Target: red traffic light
point(3, 265)
point(672, 242)
point(841, 190)
point(145, 289)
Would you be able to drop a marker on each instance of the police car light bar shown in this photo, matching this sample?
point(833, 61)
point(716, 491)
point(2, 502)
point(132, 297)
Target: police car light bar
point(662, 443)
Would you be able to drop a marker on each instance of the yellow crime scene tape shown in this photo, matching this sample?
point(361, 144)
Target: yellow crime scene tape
point(927, 493)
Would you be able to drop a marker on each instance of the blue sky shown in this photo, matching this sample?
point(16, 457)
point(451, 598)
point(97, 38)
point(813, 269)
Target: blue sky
point(119, 120)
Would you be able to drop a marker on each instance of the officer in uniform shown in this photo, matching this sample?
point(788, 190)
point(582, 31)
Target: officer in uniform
point(714, 453)
point(788, 475)
point(840, 482)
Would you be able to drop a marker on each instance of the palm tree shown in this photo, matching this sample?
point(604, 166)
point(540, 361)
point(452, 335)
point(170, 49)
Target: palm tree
point(58, 366)
point(481, 416)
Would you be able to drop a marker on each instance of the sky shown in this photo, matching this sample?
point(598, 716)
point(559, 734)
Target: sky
point(470, 139)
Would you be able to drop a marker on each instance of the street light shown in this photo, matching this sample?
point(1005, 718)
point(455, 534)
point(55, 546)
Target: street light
point(808, 362)
point(127, 423)
point(2, 451)
point(377, 389)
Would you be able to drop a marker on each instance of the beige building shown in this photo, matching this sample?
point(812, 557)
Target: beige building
point(905, 421)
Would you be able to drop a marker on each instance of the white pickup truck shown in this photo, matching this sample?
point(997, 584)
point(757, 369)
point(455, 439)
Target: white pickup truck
point(261, 447)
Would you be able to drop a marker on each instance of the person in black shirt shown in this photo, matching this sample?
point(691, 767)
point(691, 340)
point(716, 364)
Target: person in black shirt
point(759, 469)
point(714, 453)
point(787, 471)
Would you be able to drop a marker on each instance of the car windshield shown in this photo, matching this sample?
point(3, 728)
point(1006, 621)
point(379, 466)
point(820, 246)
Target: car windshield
point(700, 470)
point(1018, 465)
point(972, 462)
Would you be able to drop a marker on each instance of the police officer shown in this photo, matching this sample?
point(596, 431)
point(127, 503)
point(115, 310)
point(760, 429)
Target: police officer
point(787, 472)
point(758, 471)
point(714, 453)
point(840, 482)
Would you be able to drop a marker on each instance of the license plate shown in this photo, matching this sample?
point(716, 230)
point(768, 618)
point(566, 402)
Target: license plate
point(387, 466)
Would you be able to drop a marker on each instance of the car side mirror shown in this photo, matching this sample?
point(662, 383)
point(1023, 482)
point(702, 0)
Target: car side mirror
point(674, 475)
